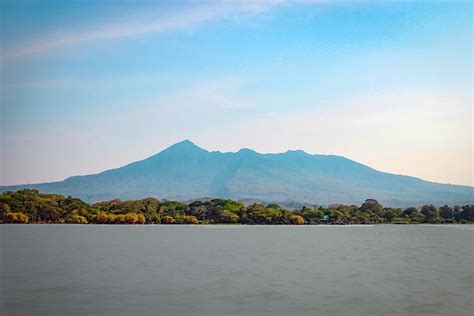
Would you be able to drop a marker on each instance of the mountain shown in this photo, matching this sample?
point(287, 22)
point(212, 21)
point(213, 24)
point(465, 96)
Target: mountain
point(185, 171)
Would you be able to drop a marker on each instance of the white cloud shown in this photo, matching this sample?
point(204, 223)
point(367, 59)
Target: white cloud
point(191, 17)
point(423, 134)
point(211, 96)
point(107, 142)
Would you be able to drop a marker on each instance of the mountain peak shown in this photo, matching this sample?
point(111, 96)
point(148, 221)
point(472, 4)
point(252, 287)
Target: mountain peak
point(185, 171)
point(296, 152)
point(247, 151)
point(185, 146)
point(185, 142)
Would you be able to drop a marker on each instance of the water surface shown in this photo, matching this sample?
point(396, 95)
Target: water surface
point(234, 270)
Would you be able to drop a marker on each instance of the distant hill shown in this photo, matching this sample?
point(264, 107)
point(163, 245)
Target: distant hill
point(185, 171)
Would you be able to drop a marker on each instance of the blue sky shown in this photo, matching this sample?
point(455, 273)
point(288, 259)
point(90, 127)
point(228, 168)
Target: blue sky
point(87, 86)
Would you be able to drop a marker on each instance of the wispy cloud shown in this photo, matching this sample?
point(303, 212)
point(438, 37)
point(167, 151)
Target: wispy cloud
point(190, 17)
point(420, 133)
point(146, 129)
point(210, 96)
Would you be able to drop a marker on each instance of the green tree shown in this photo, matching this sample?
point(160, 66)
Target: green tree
point(229, 217)
point(259, 214)
point(409, 212)
point(467, 213)
point(390, 214)
point(76, 219)
point(446, 213)
point(311, 216)
point(430, 213)
point(371, 205)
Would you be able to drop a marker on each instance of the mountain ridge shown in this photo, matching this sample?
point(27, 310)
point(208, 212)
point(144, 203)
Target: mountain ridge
point(185, 171)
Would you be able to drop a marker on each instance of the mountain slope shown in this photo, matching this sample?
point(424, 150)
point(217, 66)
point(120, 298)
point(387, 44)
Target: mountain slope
point(184, 171)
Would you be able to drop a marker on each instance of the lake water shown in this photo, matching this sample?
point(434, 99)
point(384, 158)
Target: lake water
point(236, 270)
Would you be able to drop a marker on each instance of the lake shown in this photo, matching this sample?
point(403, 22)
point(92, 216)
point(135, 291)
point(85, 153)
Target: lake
point(236, 270)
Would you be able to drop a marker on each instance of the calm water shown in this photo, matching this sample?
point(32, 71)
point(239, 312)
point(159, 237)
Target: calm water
point(231, 270)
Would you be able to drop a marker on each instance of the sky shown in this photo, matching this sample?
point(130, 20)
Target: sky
point(87, 86)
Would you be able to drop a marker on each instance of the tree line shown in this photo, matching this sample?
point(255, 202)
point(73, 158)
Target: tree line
point(31, 206)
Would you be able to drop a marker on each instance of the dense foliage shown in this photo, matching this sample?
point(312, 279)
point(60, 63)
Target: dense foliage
point(31, 206)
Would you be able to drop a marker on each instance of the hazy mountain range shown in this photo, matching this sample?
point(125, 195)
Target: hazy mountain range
point(185, 171)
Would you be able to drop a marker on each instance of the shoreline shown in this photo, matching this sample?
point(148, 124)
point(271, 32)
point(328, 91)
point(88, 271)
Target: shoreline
point(31, 206)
